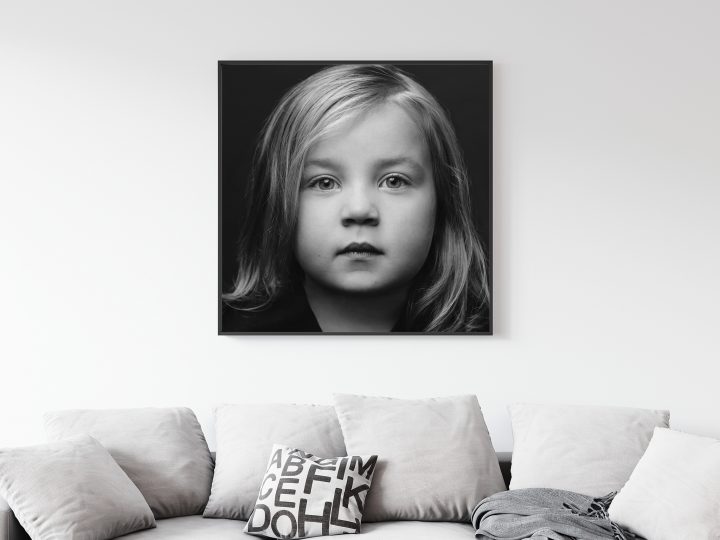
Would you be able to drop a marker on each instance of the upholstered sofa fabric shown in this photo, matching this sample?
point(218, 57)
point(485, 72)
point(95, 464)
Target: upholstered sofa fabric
point(10, 528)
point(197, 528)
point(162, 450)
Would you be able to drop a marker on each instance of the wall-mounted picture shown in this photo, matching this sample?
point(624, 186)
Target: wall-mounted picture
point(355, 197)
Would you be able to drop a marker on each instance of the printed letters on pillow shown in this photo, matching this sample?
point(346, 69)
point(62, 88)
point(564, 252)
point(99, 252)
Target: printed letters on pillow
point(303, 495)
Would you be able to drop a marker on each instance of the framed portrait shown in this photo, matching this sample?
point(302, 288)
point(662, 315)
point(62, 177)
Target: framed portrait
point(355, 197)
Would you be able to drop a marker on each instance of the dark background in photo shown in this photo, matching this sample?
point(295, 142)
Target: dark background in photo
point(249, 91)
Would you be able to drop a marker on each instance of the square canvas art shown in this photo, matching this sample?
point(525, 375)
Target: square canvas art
point(355, 197)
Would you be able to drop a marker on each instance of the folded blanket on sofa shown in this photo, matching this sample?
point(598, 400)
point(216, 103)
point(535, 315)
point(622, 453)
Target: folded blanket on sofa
point(546, 514)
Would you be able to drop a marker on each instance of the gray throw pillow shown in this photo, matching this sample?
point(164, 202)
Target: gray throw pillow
point(71, 489)
point(162, 450)
point(436, 458)
point(246, 435)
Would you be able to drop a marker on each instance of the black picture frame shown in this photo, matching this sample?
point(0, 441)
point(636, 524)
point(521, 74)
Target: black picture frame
point(249, 90)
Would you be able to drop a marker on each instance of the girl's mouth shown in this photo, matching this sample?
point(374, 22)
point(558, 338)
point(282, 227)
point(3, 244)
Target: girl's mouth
point(360, 250)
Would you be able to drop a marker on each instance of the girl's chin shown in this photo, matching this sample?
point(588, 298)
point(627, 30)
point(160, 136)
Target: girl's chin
point(362, 288)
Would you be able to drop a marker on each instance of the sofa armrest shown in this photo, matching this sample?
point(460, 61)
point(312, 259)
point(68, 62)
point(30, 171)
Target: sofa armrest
point(505, 461)
point(10, 529)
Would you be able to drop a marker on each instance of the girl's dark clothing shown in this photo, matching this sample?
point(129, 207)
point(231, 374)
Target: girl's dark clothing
point(291, 313)
point(288, 314)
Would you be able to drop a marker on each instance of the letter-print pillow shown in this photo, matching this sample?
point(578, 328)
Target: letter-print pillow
point(304, 495)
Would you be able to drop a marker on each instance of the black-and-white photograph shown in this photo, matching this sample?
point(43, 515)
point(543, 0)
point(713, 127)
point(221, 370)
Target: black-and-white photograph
point(355, 197)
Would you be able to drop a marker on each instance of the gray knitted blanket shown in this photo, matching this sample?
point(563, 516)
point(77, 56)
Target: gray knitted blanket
point(546, 514)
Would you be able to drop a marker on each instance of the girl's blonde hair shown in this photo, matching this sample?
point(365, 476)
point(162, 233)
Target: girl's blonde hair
point(450, 293)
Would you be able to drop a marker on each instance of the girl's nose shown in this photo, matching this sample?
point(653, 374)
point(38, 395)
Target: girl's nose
point(359, 209)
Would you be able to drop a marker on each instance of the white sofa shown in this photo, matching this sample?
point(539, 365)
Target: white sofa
point(199, 528)
point(108, 473)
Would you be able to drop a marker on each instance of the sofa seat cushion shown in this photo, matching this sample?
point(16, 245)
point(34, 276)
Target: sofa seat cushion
point(417, 530)
point(194, 528)
point(199, 528)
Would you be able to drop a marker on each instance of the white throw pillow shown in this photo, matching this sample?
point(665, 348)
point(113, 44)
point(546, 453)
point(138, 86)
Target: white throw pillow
point(71, 489)
point(245, 435)
point(162, 450)
point(588, 450)
point(674, 492)
point(436, 458)
point(303, 495)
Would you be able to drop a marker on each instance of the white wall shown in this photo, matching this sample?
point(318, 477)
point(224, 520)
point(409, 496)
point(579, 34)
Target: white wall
point(606, 207)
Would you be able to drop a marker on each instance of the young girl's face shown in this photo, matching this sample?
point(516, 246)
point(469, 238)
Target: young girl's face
point(367, 204)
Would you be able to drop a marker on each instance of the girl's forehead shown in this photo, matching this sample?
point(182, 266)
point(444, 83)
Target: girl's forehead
point(386, 128)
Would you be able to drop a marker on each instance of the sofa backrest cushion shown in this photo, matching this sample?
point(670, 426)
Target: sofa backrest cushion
point(245, 435)
point(586, 449)
point(436, 460)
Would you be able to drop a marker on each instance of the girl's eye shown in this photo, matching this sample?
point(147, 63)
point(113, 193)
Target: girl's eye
point(394, 181)
point(323, 183)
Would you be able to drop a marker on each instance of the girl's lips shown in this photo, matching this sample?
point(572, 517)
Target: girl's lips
point(360, 250)
point(359, 255)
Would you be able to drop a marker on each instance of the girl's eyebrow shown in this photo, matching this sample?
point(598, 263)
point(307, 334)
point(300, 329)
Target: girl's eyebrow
point(400, 160)
point(322, 163)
